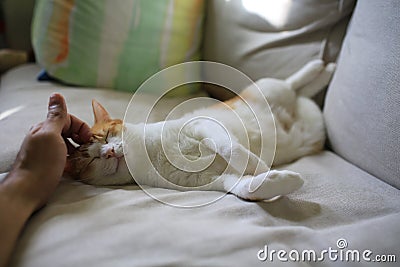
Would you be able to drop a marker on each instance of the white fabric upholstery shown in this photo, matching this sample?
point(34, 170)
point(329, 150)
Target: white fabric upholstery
point(88, 226)
point(274, 38)
point(363, 102)
point(85, 225)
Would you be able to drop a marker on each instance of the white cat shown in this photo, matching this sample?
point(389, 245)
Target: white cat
point(227, 147)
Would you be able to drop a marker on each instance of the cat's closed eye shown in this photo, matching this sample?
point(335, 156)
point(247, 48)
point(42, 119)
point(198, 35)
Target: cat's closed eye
point(102, 138)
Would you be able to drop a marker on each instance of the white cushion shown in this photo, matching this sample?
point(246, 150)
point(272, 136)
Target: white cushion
point(274, 38)
point(363, 102)
point(85, 225)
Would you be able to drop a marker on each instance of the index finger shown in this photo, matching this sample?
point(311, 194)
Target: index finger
point(77, 129)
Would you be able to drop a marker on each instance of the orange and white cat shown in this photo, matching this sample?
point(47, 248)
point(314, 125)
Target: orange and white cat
point(207, 149)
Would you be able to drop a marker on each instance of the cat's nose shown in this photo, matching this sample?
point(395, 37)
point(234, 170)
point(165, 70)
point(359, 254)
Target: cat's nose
point(110, 153)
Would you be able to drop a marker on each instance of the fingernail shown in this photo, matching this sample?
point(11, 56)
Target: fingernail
point(54, 101)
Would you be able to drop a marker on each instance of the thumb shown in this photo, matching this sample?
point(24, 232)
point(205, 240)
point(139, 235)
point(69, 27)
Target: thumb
point(57, 116)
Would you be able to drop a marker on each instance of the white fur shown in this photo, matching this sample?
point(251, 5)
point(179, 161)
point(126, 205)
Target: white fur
point(209, 150)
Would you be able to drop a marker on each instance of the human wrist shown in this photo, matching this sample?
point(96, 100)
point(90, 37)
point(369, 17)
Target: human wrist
point(15, 211)
point(17, 189)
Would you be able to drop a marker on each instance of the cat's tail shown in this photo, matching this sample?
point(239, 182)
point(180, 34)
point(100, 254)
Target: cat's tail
point(312, 78)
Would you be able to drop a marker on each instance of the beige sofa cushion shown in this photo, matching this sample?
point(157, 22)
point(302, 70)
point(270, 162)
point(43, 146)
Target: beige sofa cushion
point(85, 225)
point(93, 226)
point(274, 38)
point(363, 103)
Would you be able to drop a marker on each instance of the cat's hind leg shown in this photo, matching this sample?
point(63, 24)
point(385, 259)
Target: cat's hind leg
point(306, 74)
point(263, 186)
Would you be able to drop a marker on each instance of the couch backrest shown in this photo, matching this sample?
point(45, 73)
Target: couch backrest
point(362, 108)
point(274, 38)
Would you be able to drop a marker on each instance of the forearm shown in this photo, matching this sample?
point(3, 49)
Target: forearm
point(15, 210)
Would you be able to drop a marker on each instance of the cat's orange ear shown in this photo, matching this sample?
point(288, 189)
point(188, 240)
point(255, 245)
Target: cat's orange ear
point(100, 113)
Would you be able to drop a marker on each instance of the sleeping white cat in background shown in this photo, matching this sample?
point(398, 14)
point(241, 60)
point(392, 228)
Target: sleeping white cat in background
point(207, 149)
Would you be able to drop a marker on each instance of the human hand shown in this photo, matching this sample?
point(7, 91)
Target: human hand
point(42, 157)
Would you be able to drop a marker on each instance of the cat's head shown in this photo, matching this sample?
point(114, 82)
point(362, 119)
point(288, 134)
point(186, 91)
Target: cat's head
point(101, 161)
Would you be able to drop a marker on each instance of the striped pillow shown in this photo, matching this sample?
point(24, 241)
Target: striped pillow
point(115, 43)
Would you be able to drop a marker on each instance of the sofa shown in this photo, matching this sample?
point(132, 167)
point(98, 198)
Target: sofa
point(347, 212)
